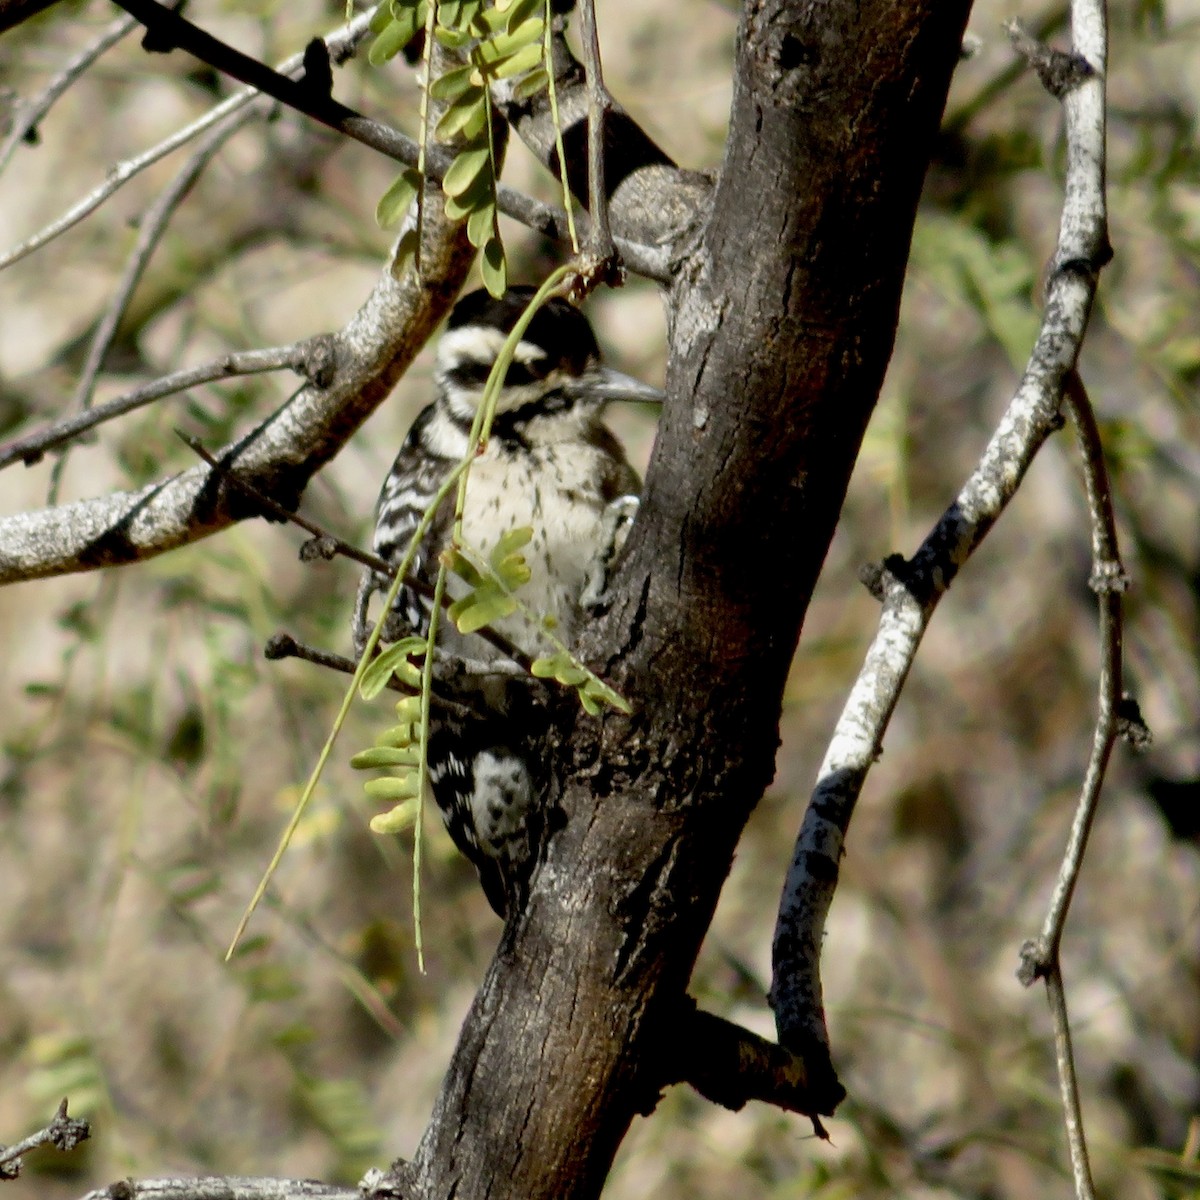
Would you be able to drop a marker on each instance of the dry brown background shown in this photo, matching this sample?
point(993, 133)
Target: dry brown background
point(150, 755)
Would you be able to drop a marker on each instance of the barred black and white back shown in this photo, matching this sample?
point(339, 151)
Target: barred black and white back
point(550, 464)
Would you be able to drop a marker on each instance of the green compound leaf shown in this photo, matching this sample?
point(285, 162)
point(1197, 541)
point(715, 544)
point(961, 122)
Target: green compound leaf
point(494, 268)
point(397, 819)
point(504, 45)
point(452, 39)
point(461, 566)
point(560, 667)
point(458, 208)
point(507, 560)
point(519, 11)
point(533, 83)
point(519, 63)
point(593, 692)
point(489, 20)
point(399, 737)
point(395, 202)
point(457, 14)
point(381, 18)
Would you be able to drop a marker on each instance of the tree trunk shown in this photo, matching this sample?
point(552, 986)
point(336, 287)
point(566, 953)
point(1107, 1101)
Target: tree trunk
point(781, 324)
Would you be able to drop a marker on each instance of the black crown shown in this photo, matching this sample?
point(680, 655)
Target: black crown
point(558, 328)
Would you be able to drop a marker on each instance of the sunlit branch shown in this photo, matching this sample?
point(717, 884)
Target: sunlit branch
point(303, 357)
point(910, 591)
point(341, 43)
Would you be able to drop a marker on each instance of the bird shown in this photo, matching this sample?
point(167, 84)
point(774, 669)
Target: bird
point(550, 464)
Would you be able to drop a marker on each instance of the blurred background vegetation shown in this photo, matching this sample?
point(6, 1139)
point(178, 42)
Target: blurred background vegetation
point(151, 755)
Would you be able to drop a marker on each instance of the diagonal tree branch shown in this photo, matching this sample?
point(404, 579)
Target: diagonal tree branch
point(310, 357)
point(910, 591)
point(278, 458)
point(223, 1187)
point(173, 30)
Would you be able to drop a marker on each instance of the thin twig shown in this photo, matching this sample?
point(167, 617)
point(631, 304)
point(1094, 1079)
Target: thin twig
point(329, 544)
point(63, 1133)
point(29, 113)
point(1040, 958)
point(1108, 580)
point(283, 85)
point(151, 228)
point(318, 104)
point(340, 43)
point(1064, 1058)
point(600, 242)
point(283, 645)
point(30, 448)
point(911, 590)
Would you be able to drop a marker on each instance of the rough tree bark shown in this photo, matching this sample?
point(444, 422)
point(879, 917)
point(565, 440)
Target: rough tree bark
point(781, 323)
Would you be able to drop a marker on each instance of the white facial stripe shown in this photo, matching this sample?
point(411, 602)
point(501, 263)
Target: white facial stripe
point(478, 343)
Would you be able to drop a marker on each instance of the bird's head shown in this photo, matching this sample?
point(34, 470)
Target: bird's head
point(555, 385)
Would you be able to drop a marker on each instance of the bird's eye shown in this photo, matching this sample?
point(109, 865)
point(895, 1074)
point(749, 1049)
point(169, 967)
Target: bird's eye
point(470, 374)
point(521, 373)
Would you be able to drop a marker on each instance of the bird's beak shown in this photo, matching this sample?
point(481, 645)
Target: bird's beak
point(604, 384)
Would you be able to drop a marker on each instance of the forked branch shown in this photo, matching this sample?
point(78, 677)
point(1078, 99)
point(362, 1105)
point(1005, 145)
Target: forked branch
point(910, 590)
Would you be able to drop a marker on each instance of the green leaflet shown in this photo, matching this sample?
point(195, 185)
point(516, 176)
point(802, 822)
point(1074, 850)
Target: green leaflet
point(465, 169)
point(392, 661)
point(501, 39)
point(484, 606)
point(494, 267)
point(384, 756)
point(394, 35)
point(398, 818)
point(395, 202)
